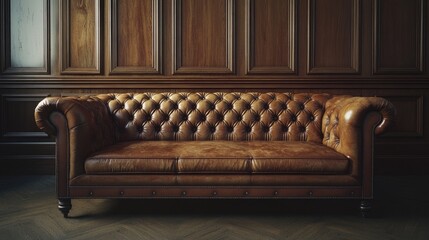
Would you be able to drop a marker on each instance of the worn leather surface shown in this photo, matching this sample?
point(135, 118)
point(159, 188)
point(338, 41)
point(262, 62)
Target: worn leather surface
point(218, 116)
point(343, 122)
point(223, 138)
point(89, 127)
point(217, 157)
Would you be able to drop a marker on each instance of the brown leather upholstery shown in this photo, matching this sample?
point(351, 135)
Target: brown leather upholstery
point(218, 116)
point(144, 144)
point(217, 157)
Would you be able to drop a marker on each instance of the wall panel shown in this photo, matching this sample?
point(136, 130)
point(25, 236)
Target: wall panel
point(17, 118)
point(81, 37)
point(410, 116)
point(333, 36)
point(136, 37)
point(203, 36)
point(356, 47)
point(399, 36)
point(270, 36)
point(25, 37)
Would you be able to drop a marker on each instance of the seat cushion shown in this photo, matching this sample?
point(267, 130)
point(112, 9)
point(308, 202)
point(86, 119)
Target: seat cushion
point(296, 157)
point(217, 157)
point(170, 157)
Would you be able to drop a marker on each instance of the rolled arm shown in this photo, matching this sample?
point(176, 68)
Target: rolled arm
point(89, 126)
point(344, 121)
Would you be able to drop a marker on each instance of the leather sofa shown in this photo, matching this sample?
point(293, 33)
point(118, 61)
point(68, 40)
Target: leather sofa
point(214, 145)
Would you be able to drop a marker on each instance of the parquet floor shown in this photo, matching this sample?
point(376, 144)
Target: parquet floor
point(28, 211)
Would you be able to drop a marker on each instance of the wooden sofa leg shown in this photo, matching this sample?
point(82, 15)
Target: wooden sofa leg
point(365, 208)
point(64, 205)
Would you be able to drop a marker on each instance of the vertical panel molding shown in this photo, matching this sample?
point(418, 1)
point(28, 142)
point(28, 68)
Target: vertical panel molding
point(278, 52)
point(338, 57)
point(18, 56)
point(228, 65)
point(401, 52)
point(80, 50)
point(149, 62)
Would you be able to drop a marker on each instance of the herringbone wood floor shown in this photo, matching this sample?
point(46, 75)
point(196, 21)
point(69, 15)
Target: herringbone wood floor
point(28, 211)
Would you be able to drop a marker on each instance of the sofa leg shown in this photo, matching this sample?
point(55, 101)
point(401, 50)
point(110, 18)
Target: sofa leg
point(365, 208)
point(64, 205)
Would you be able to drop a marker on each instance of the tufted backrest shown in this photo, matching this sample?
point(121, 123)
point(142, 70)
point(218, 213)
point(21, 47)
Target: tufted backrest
point(217, 116)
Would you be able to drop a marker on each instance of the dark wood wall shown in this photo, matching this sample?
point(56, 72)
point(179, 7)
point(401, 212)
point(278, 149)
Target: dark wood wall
point(72, 47)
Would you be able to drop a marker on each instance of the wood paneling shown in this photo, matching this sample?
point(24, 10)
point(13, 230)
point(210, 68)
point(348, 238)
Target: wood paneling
point(270, 36)
point(25, 37)
point(333, 36)
point(399, 36)
point(332, 46)
point(203, 36)
point(136, 37)
point(81, 32)
point(17, 119)
point(410, 116)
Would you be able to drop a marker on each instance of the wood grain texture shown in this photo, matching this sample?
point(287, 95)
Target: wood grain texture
point(25, 37)
point(136, 37)
point(80, 36)
point(333, 36)
point(270, 36)
point(203, 36)
point(399, 36)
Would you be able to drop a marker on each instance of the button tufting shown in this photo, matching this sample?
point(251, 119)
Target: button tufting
point(230, 129)
point(285, 128)
point(293, 118)
point(175, 128)
point(284, 106)
point(139, 129)
point(311, 117)
point(265, 129)
point(275, 118)
point(248, 129)
point(212, 129)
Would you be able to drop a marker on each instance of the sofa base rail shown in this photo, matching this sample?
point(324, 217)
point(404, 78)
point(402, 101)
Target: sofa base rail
point(214, 192)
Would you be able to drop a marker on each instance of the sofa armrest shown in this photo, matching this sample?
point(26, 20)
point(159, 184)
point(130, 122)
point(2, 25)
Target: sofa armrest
point(85, 126)
point(350, 121)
